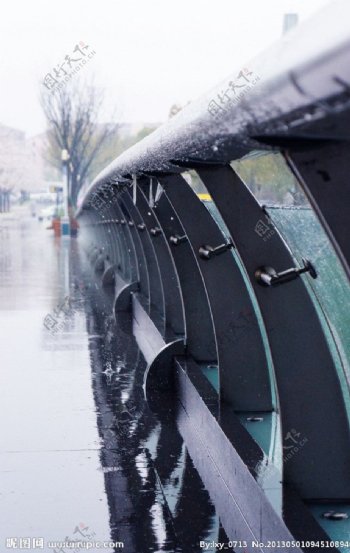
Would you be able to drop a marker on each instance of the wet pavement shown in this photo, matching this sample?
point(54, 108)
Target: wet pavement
point(82, 457)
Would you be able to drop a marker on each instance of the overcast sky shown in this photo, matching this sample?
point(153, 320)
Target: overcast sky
point(149, 53)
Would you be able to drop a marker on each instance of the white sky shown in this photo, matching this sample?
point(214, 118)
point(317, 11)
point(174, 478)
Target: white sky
point(149, 53)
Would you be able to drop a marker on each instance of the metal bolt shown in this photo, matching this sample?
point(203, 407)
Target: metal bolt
point(122, 221)
point(131, 223)
point(141, 226)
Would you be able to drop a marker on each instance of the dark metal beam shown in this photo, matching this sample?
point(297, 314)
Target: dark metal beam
point(174, 313)
point(323, 173)
point(243, 369)
point(200, 340)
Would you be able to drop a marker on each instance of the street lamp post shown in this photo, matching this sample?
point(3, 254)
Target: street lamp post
point(65, 226)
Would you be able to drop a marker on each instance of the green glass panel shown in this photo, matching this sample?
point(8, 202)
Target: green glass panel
point(330, 290)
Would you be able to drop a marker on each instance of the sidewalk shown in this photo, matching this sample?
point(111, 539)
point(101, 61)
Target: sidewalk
point(50, 482)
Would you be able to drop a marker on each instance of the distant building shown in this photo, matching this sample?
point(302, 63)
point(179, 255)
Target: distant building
point(13, 158)
point(24, 165)
point(22, 161)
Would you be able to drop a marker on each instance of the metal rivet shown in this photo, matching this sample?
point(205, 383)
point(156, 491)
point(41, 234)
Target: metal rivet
point(141, 226)
point(131, 223)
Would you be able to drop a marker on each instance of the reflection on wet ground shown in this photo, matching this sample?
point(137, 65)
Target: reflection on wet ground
point(82, 456)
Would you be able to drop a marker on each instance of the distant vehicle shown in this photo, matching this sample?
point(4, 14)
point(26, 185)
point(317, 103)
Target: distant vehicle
point(43, 197)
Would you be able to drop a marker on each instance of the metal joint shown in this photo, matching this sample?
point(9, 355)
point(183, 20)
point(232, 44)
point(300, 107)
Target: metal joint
point(155, 231)
point(207, 252)
point(268, 276)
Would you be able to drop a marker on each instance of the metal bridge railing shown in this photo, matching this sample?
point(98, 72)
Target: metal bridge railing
point(220, 289)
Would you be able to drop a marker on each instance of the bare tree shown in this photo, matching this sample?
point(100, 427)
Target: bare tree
point(73, 115)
